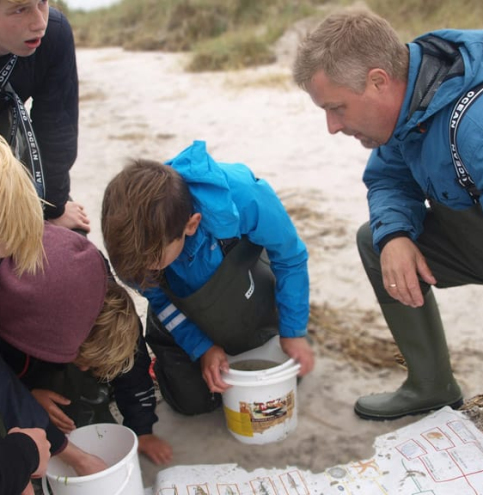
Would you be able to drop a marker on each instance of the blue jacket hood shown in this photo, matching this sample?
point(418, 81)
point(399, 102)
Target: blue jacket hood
point(470, 46)
point(209, 188)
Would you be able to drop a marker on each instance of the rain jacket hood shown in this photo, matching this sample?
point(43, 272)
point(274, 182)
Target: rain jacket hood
point(210, 190)
point(458, 72)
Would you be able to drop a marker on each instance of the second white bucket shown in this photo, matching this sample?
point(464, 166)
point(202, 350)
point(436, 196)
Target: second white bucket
point(116, 445)
point(261, 404)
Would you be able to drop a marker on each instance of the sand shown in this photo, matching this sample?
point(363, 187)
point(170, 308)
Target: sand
point(144, 105)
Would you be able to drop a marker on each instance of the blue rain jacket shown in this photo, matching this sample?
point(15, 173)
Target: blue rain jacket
point(415, 164)
point(232, 202)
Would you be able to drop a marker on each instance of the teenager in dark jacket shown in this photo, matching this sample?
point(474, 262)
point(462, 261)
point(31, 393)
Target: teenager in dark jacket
point(37, 62)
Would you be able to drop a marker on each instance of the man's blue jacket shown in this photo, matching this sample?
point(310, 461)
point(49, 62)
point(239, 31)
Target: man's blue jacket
point(233, 203)
point(416, 164)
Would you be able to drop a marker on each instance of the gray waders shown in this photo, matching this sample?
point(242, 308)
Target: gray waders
point(235, 309)
point(452, 243)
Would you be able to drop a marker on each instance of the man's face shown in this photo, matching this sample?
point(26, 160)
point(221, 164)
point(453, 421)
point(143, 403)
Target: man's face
point(359, 115)
point(22, 26)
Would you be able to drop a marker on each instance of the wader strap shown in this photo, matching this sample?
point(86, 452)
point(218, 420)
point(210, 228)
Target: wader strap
point(457, 113)
point(20, 136)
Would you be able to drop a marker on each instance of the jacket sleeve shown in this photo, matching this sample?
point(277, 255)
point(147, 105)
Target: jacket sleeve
point(396, 201)
point(185, 333)
point(19, 458)
point(18, 407)
point(265, 221)
point(134, 393)
point(55, 113)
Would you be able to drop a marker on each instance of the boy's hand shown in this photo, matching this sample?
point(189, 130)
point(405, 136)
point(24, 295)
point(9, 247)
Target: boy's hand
point(49, 400)
point(82, 462)
point(299, 349)
point(155, 448)
point(213, 362)
point(29, 489)
point(74, 217)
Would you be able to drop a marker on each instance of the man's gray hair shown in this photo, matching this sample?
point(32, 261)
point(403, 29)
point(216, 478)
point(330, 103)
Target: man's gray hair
point(346, 46)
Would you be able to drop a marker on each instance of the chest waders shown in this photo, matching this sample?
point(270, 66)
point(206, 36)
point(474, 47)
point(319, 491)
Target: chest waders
point(452, 243)
point(235, 308)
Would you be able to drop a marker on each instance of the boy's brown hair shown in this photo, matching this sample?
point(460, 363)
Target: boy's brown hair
point(21, 216)
point(145, 207)
point(110, 348)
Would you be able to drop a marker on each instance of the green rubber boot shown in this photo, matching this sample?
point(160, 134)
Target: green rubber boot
point(430, 384)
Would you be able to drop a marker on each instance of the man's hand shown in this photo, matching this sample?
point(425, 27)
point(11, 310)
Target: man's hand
point(155, 448)
point(402, 264)
point(73, 217)
point(299, 349)
point(213, 362)
point(49, 400)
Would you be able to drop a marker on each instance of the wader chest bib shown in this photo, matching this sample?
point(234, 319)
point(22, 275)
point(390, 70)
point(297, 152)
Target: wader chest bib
point(235, 308)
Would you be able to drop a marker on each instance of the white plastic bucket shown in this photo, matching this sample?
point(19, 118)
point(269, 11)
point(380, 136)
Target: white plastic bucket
point(261, 405)
point(115, 444)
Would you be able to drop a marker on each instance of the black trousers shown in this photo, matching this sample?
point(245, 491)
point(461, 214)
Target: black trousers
point(180, 380)
point(452, 243)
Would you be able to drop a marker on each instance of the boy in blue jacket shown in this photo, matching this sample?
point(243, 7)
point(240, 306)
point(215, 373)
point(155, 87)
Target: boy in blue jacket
point(217, 256)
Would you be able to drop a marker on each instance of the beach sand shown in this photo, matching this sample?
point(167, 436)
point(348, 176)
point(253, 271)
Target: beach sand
point(145, 105)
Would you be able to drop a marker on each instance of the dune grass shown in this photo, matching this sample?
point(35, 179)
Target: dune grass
point(231, 34)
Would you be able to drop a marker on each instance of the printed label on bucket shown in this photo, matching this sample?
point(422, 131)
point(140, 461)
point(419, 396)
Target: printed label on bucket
point(257, 417)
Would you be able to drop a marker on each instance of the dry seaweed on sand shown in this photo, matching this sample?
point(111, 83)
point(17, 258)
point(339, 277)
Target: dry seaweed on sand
point(473, 408)
point(341, 333)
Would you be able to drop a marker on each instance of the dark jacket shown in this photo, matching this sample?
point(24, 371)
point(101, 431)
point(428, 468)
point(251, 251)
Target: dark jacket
point(19, 458)
point(49, 77)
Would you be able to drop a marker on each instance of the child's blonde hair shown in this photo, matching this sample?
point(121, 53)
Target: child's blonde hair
point(21, 216)
point(110, 348)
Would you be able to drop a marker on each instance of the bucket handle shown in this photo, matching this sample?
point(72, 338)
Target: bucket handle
point(45, 486)
point(45, 483)
point(126, 481)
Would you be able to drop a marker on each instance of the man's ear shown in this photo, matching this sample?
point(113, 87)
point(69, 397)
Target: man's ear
point(378, 79)
point(192, 224)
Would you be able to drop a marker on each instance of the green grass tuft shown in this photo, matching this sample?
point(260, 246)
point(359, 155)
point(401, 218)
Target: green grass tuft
point(230, 34)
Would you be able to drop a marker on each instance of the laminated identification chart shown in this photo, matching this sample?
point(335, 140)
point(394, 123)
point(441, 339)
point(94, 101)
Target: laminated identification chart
point(441, 454)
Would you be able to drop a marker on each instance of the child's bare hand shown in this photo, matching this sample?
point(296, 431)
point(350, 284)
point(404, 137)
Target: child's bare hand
point(49, 400)
point(155, 448)
point(29, 489)
point(74, 217)
point(213, 362)
point(299, 349)
point(82, 462)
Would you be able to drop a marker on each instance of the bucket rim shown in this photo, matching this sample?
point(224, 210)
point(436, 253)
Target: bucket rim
point(268, 371)
point(265, 380)
point(71, 480)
